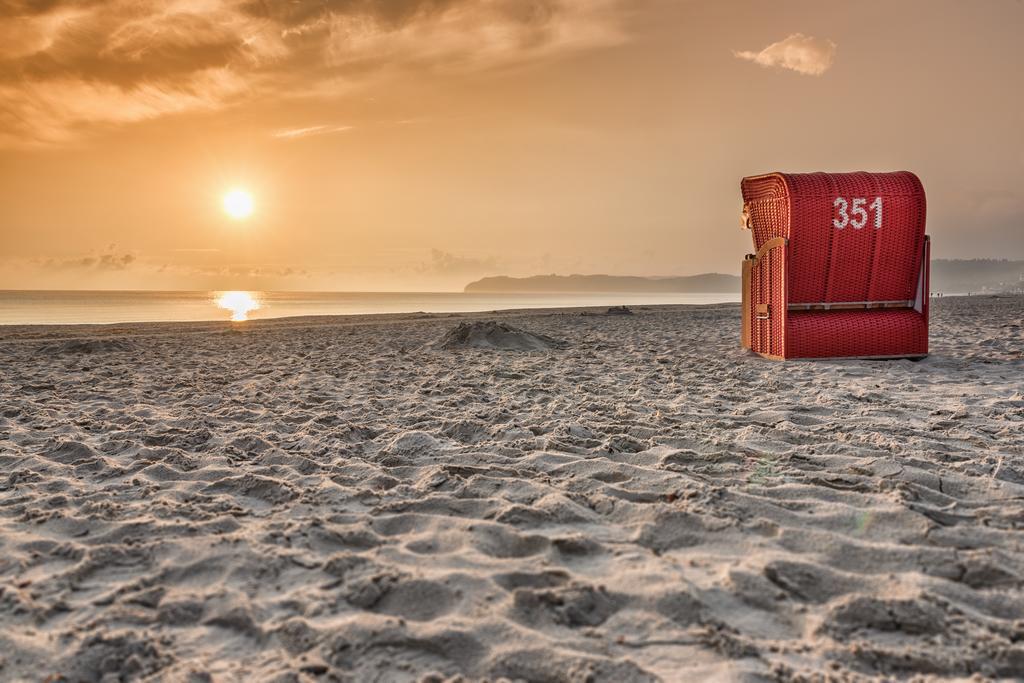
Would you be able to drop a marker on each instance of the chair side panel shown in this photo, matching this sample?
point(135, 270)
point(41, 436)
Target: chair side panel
point(767, 201)
point(746, 303)
point(768, 303)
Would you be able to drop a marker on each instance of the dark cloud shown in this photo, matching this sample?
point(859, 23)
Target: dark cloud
point(392, 13)
point(174, 61)
point(121, 45)
point(109, 259)
point(65, 65)
point(28, 8)
point(254, 270)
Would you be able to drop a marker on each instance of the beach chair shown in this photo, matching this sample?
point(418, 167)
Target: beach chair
point(841, 266)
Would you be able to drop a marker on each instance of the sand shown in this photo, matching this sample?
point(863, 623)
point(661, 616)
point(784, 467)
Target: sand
point(346, 499)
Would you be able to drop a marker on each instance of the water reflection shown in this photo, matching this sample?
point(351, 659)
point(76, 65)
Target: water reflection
point(239, 303)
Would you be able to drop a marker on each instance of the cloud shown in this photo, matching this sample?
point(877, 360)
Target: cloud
point(113, 268)
point(67, 66)
point(293, 133)
point(804, 54)
point(239, 270)
point(445, 263)
point(109, 259)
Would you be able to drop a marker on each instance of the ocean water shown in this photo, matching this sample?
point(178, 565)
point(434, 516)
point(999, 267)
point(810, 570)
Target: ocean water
point(88, 307)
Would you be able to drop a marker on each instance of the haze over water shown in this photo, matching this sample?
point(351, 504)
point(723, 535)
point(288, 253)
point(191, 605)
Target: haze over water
point(88, 307)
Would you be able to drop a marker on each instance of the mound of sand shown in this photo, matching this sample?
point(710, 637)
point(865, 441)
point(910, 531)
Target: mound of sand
point(619, 310)
point(494, 335)
point(86, 346)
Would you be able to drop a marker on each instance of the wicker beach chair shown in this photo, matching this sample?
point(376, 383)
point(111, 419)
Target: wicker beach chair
point(841, 266)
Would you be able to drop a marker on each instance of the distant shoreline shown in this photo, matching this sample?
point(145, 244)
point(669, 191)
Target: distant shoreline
point(977, 276)
point(156, 307)
point(705, 283)
point(44, 330)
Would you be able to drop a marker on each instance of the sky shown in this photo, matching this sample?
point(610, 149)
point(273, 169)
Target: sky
point(400, 145)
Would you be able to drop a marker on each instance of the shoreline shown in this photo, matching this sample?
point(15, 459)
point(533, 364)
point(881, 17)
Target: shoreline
point(302, 321)
point(126, 308)
point(221, 325)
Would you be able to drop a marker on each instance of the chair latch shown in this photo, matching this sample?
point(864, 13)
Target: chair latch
point(764, 311)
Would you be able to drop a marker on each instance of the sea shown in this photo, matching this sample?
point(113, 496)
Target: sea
point(47, 307)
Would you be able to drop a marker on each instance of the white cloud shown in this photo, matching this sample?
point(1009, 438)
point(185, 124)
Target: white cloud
point(293, 133)
point(804, 54)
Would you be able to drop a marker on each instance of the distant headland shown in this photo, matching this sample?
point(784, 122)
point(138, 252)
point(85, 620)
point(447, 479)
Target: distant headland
point(996, 276)
point(692, 284)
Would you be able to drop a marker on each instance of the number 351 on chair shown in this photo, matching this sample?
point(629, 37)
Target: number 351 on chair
point(841, 266)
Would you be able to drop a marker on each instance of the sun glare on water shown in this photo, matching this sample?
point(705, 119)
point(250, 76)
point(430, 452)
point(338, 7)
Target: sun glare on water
point(238, 204)
point(239, 303)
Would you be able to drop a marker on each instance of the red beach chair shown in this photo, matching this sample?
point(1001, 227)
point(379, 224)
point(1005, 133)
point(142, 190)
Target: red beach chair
point(841, 269)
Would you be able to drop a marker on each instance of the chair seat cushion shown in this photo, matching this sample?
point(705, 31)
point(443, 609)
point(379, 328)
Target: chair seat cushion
point(856, 333)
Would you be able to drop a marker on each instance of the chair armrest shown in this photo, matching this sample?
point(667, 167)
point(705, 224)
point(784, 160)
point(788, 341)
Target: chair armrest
point(768, 246)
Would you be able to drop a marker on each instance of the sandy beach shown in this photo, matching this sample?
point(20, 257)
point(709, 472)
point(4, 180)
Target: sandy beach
point(632, 498)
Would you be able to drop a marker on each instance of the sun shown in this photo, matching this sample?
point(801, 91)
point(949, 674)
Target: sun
point(238, 204)
point(239, 303)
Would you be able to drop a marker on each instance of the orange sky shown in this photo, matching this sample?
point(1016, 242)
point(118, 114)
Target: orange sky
point(420, 144)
